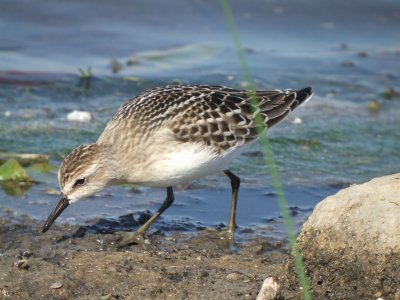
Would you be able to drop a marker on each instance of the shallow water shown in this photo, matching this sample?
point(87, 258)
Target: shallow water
point(348, 52)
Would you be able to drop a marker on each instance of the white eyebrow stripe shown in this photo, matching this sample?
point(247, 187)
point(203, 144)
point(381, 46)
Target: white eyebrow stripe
point(89, 171)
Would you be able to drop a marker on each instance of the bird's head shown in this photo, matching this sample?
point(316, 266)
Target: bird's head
point(82, 173)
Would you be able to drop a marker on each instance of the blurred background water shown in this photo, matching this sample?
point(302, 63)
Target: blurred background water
point(348, 51)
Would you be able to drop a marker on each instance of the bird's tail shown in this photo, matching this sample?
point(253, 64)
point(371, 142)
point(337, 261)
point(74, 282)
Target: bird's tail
point(280, 106)
point(302, 96)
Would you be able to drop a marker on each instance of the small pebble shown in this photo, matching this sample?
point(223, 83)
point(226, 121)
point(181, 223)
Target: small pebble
point(235, 276)
point(56, 285)
point(79, 116)
point(22, 264)
point(270, 290)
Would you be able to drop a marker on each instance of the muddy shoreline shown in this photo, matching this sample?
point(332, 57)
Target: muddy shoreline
point(68, 264)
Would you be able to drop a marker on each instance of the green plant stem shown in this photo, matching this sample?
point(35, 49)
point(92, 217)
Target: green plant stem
point(267, 151)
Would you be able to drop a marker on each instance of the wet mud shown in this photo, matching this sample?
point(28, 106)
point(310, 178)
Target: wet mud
point(69, 262)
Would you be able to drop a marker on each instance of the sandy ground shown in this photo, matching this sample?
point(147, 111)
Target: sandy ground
point(66, 264)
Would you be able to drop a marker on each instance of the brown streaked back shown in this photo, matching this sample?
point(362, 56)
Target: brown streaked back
point(214, 115)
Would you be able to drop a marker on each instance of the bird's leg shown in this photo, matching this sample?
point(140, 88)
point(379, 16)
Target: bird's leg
point(137, 237)
point(235, 183)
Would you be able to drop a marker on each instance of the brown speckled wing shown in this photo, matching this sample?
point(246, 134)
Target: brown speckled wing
point(215, 115)
point(224, 118)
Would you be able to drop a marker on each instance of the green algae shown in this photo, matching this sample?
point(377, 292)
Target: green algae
point(24, 159)
point(14, 180)
point(12, 170)
point(15, 188)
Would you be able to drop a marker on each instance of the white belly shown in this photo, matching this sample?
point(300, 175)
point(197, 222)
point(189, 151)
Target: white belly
point(186, 162)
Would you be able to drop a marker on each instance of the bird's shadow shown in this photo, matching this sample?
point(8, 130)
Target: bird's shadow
point(128, 222)
point(131, 222)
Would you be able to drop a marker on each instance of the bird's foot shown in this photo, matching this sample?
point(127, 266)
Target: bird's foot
point(228, 235)
point(134, 238)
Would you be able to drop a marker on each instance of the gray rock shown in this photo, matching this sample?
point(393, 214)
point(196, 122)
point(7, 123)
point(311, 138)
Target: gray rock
point(351, 242)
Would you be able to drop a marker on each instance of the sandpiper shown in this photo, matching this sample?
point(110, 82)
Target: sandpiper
point(172, 135)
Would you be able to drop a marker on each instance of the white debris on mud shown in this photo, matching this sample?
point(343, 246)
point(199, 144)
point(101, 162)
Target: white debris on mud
point(79, 116)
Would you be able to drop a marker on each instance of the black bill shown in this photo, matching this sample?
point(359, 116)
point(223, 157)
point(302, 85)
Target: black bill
point(62, 204)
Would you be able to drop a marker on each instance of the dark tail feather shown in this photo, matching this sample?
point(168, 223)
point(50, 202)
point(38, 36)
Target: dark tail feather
point(301, 97)
point(277, 113)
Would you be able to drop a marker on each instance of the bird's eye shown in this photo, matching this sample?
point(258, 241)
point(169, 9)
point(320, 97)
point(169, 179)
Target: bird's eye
point(79, 182)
